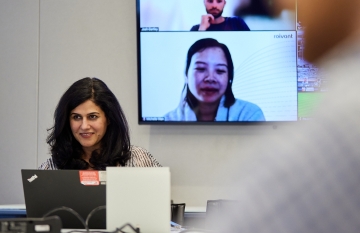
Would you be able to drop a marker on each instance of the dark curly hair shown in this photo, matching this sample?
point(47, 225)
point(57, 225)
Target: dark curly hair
point(66, 151)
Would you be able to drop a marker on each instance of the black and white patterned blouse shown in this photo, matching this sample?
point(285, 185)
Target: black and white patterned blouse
point(139, 158)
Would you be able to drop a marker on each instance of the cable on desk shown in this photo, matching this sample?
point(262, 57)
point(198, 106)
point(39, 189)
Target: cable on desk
point(117, 230)
point(85, 223)
point(91, 214)
point(69, 210)
point(136, 230)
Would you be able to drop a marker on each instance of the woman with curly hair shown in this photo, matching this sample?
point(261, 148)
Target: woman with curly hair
point(91, 132)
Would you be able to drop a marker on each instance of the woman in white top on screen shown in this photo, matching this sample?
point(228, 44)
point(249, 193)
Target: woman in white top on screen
point(91, 131)
point(207, 93)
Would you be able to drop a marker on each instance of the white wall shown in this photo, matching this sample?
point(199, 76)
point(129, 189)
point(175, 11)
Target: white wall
point(19, 53)
point(45, 45)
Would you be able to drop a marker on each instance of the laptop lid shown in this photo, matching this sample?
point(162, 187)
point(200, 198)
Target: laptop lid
point(139, 196)
point(45, 190)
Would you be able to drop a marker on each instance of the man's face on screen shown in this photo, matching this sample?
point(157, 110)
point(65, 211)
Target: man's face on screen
point(215, 7)
point(208, 74)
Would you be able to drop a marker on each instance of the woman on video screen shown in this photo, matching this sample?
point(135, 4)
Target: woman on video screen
point(207, 93)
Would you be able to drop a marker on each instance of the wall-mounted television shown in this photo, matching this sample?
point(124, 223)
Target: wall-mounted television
point(216, 61)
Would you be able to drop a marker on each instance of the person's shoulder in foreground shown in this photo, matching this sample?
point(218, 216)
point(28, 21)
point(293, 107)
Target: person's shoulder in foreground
point(139, 158)
point(230, 24)
point(306, 178)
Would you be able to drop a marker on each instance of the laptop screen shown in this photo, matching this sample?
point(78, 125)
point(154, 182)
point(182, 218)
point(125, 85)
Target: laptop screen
point(139, 196)
point(46, 190)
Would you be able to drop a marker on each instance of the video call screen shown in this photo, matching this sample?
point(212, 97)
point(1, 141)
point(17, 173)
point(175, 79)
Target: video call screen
point(185, 74)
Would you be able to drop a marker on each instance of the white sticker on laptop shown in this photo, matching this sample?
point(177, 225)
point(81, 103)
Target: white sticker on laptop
point(89, 177)
point(102, 177)
point(31, 179)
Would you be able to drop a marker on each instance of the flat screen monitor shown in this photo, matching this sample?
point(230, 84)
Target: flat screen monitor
point(217, 62)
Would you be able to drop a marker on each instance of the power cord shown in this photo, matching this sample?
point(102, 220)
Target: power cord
point(91, 214)
point(86, 223)
point(69, 210)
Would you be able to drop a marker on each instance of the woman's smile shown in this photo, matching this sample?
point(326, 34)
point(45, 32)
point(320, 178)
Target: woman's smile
point(86, 135)
point(208, 75)
point(88, 124)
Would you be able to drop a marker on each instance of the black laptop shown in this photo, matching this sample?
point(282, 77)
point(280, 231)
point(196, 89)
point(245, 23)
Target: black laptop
point(46, 190)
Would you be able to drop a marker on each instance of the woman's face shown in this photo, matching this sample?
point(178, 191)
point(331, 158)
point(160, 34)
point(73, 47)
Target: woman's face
point(208, 75)
point(88, 125)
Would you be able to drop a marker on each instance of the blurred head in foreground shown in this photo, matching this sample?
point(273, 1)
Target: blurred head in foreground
point(327, 23)
point(305, 177)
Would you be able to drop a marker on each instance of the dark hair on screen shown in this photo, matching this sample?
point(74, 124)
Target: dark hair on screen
point(66, 151)
point(200, 46)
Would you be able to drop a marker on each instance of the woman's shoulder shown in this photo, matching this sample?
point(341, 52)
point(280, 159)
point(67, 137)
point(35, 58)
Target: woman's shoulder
point(140, 157)
point(245, 104)
point(173, 115)
point(48, 165)
point(246, 111)
point(182, 113)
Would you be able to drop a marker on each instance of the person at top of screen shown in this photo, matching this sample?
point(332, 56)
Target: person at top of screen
point(214, 21)
point(207, 91)
point(91, 131)
point(265, 15)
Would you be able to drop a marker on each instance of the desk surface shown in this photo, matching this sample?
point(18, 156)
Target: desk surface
point(14, 206)
point(19, 211)
point(195, 209)
point(21, 207)
point(12, 211)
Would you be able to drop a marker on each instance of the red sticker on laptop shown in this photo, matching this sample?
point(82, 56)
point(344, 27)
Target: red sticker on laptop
point(89, 177)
